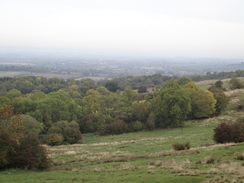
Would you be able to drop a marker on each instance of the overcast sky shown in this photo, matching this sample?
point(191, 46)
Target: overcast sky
point(191, 28)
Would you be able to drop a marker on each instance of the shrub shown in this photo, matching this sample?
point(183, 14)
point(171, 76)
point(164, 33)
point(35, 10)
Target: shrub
point(68, 130)
point(181, 146)
point(224, 133)
point(209, 160)
point(137, 126)
point(53, 139)
point(239, 156)
point(30, 154)
point(19, 149)
point(116, 127)
point(142, 89)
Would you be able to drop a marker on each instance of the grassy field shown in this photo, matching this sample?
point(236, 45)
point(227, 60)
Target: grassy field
point(208, 83)
point(13, 74)
point(143, 157)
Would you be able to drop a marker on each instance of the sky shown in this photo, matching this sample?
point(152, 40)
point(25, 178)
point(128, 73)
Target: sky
point(177, 28)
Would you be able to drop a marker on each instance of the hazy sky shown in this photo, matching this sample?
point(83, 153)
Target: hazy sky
point(195, 28)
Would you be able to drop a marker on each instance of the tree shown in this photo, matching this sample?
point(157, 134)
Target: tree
point(221, 99)
point(141, 111)
point(142, 89)
point(112, 86)
point(183, 81)
point(18, 149)
point(171, 105)
point(218, 84)
point(235, 83)
point(69, 131)
point(202, 101)
point(13, 93)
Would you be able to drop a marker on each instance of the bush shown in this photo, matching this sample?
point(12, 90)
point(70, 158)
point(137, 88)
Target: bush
point(225, 133)
point(116, 127)
point(68, 130)
point(53, 139)
point(239, 156)
point(181, 146)
point(209, 160)
point(19, 149)
point(30, 154)
point(137, 126)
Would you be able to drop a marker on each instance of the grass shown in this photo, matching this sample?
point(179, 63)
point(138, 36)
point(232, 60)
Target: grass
point(143, 157)
point(208, 83)
point(13, 74)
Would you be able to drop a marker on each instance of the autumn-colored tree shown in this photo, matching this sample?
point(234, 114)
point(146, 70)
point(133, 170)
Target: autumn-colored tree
point(19, 149)
point(9, 135)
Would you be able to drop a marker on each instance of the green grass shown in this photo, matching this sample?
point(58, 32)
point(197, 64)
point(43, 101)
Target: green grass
point(208, 83)
point(13, 74)
point(142, 157)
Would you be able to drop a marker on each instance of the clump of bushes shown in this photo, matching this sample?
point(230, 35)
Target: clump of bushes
point(137, 126)
point(225, 133)
point(19, 148)
point(64, 132)
point(116, 127)
point(181, 146)
point(30, 154)
point(53, 139)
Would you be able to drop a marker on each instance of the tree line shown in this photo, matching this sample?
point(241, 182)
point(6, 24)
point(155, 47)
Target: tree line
point(59, 111)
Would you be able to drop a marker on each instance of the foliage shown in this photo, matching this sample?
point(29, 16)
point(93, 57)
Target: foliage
point(116, 127)
point(137, 126)
point(112, 86)
point(235, 83)
point(221, 99)
point(171, 105)
point(181, 146)
point(202, 101)
point(224, 132)
point(68, 130)
point(31, 124)
point(183, 81)
point(218, 84)
point(30, 154)
point(53, 139)
point(142, 89)
point(19, 149)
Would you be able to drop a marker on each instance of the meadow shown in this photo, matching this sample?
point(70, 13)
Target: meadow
point(143, 157)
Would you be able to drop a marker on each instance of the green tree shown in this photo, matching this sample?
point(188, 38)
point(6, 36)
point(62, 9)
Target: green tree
point(142, 89)
point(235, 83)
point(141, 111)
point(219, 84)
point(112, 86)
point(221, 99)
point(69, 130)
point(13, 93)
point(171, 105)
point(183, 81)
point(202, 101)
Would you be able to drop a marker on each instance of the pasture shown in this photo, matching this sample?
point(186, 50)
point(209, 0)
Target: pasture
point(143, 157)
